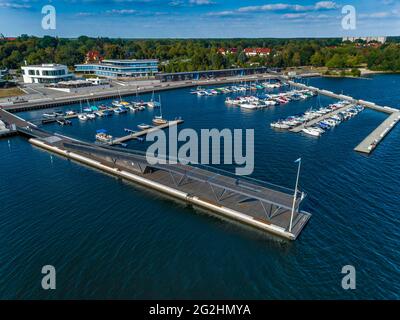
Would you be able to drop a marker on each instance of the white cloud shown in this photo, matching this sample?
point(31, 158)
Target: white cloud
point(182, 3)
point(327, 5)
point(274, 7)
point(381, 14)
point(222, 13)
point(294, 15)
point(387, 2)
point(305, 16)
point(201, 2)
point(277, 7)
point(84, 14)
point(121, 11)
point(14, 5)
point(176, 3)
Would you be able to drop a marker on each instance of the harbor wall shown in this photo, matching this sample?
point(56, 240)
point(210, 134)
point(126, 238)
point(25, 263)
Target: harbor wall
point(112, 94)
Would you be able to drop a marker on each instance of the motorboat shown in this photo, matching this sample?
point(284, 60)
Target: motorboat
point(107, 113)
point(248, 106)
point(82, 117)
point(144, 126)
point(279, 125)
point(63, 122)
point(311, 131)
point(50, 115)
point(70, 113)
point(120, 110)
point(102, 136)
point(91, 116)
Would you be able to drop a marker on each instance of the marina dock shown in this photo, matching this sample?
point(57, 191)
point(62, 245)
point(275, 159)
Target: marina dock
point(366, 104)
point(254, 203)
point(314, 121)
point(142, 133)
point(51, 102)
point(370, 142)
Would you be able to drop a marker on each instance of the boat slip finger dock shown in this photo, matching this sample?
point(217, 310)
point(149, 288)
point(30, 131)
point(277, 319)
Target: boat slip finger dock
point(374, 138)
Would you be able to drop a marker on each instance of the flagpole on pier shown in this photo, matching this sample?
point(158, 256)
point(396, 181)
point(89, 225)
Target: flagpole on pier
point(295, 193)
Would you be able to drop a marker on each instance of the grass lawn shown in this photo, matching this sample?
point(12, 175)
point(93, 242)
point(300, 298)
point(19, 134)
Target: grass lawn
point(10, 92)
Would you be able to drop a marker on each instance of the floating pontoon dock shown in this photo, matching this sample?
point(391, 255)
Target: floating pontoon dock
point(322, 117)
point(370, 142)
point(264, 206)
point(144, 132)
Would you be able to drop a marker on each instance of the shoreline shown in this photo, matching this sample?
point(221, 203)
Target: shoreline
point(51, 102)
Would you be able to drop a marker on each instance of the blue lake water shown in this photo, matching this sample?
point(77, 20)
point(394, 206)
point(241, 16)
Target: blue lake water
point(108, 238)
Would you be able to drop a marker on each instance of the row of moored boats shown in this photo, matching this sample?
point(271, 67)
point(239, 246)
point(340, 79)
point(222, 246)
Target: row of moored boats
point(118, 107)
point(237, 88)
point(266, 100)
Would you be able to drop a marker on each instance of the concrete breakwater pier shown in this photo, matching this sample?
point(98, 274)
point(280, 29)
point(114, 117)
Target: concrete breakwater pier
point(264, 206)
point(374, 138)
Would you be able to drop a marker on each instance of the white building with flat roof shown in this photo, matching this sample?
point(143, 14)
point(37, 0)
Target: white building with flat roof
point(46, 73)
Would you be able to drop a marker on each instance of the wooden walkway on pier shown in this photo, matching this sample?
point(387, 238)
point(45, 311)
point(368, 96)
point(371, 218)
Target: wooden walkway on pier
point(10, 119)
point(370, 142)
point(141, 133)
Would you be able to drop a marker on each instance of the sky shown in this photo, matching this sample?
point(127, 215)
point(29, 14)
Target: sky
point(200, 18)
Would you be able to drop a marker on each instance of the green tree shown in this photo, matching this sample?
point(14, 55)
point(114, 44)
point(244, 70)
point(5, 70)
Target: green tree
point(317, 59)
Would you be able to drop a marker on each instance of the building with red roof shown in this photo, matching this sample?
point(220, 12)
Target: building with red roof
point(93, 56)
point(251, 52)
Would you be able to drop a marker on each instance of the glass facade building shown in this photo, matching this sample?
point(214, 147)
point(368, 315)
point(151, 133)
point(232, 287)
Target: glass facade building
point(46, 73)
point(120, 68)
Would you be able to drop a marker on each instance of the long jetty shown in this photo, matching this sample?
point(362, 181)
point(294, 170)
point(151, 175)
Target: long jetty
point(250, 202)
point(375, 137)
point(366, 104)
point(372, 140)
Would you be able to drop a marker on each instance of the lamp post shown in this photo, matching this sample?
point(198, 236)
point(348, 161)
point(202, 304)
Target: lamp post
point(295, 193)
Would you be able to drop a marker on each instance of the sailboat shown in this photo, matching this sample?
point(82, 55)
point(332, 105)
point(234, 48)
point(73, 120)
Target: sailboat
point(158, 120)
point(90, 115)
point(121, 103)
point(153, 103)
point(139, 105)
point(82, 116)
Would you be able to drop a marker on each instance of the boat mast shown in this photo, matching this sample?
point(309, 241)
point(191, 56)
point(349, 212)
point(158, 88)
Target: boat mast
point(159, 99)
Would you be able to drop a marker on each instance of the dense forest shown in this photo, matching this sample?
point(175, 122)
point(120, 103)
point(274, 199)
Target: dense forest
point(177, 55)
